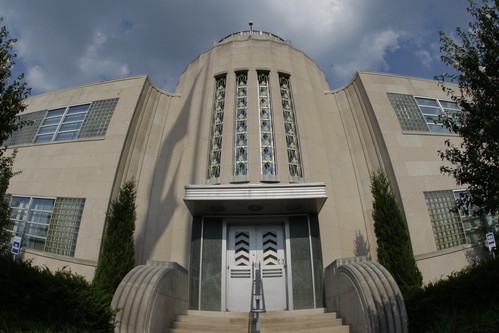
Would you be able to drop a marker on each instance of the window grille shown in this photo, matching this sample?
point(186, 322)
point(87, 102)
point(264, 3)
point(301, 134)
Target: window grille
point(241, 125)
point(290, 127)
point(266, 125)
point(217, 123)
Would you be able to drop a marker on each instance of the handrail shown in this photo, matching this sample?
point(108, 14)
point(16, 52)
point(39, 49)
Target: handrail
point(257, 297)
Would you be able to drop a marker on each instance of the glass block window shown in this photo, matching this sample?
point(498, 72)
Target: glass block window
point(64, 226)
point(98, 118)
point(433, 110)
point(266, 125)
point(408, 113)
point(25, 134)
point(65, 123)
point(293, 147)
point(62, 124)
point(447, 226)
point(217, 124)
point(46, 224)
point(241, 125)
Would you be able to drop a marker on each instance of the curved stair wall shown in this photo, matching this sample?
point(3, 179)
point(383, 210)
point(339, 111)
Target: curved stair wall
point(365, 295)
point(150, 297)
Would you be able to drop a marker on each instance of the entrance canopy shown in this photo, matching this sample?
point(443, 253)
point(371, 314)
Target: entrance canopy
point(255, 198)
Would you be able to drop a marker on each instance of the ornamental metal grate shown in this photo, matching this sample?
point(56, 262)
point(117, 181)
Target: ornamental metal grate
point(266, 126)
point(241, 125)
point(98, 118)
point(408, 113)
point(64, 226)
point(217, 124)
point(293, 147)
point(447, 226)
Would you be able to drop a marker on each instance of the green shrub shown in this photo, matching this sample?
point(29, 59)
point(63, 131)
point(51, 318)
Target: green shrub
point(467, 301)
point(118, 247)
point(33, 299)
point(394, 248)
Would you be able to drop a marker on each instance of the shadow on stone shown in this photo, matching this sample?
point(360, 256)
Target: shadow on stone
point(361, 246)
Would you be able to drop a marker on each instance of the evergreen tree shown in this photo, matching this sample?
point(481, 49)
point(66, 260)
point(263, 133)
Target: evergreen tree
point(118, 247)
point(474, 56)
point(394, 247)
point(12, 94)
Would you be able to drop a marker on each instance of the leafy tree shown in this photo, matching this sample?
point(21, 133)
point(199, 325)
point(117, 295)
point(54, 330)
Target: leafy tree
point(394, 247)
point(118, 248)
point(12, 94)
point(474, 57)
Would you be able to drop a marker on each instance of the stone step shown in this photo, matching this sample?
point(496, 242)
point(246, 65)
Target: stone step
point(297, 321)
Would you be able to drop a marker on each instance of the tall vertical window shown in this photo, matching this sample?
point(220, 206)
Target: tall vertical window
point(217, 129)
point(46, 224)
point(241, 125)
point(62, 124)
point(293, 147)
point(266, 126)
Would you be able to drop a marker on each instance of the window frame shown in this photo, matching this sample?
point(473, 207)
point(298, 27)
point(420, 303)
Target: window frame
point(433, 120)
point(58, 134)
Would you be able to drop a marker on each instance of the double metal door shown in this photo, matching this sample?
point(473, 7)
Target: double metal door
point(261, 245)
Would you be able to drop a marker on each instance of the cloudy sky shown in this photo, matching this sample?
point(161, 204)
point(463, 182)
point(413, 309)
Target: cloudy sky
point(63, 43)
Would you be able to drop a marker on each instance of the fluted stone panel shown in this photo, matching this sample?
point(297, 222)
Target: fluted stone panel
point(365, 295)
point(150, 296)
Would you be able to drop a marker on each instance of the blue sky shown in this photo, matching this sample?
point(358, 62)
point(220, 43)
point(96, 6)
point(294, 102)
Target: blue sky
point(67, 43)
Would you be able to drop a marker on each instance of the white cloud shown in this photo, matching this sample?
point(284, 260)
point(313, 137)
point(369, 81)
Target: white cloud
point(95, 63)
point(369, 55)
point(425, 57)
point(39, 79)
point(125, 37)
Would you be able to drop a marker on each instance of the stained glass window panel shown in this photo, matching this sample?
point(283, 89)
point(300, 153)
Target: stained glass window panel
point(266, 126)
point(293, 147)
point(241, 125)
point(217, 128)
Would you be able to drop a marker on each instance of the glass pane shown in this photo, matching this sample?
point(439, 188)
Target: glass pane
point(19, 202)
point(438, 128)
point(35, 243)
point(427, 102)
point(43, 138)
point(55, 112)
point(47, 129)
point(18, 214)
point(66, 136)
point(39, 217)
point(449, 105)
point(78, 108)
point(432, 120)
point(74, 117)
point(429, 110)
point(70, 127)
point(39, 230)
point(42, 204)
point(51, 121)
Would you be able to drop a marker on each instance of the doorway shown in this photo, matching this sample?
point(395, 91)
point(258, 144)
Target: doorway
point(249, 245)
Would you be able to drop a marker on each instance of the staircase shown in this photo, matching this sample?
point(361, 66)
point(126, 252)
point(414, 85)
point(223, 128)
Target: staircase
point(298, 321)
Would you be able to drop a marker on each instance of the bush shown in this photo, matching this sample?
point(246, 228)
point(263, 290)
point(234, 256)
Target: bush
point(36, 300)
point(468, 301)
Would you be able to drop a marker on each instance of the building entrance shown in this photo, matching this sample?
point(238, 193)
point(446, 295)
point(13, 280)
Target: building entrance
point(255, 245)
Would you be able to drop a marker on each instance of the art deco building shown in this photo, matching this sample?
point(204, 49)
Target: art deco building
point(253, 159)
